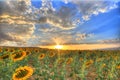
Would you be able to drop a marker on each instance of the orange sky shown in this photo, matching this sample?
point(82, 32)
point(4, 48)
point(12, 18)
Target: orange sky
point(84, 46)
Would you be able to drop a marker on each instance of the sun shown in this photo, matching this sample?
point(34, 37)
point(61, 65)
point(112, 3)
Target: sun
point(58, 47)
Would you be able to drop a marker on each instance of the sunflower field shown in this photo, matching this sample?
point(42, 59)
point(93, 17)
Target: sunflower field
point(48, 64)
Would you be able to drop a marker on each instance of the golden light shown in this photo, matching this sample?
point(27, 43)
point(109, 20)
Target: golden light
point(58, 47)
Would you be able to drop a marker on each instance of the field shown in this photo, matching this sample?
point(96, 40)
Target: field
point(47, 64)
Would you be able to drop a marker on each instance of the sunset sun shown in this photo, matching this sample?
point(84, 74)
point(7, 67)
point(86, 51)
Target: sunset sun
point(58, 46)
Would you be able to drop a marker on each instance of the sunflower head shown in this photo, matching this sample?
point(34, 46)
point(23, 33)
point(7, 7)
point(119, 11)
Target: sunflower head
point(81, 59)
point(118, 66)
point(11, 50)
point(51, 54)
point(36, 51)
point(88, 63)
point(23, 73)
point(115, 57)
point(23, 49)
point(69, 60)
point(103, 65)
point(7, 49)
point(99, 59)
point(28, 52)
point(4, 56)
point(60, 60)
point(41, 56)
point(18, 56)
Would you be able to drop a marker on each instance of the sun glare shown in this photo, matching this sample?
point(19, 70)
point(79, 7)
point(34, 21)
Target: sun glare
point(58, 47)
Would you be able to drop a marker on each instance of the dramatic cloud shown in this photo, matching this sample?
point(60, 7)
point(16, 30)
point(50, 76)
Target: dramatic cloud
point(92, 7)
point(15, 33)
point(11, 7)
point(15, 29)
point(24, 9)
point(63, 18)
point(18, 20)
point(60, 19)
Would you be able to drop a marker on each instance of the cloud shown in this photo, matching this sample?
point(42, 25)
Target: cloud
point(8, 19)
point(83, 36)
point(110, 41)
point(14, 7)
point(54, 36)
point(91, 7)
point(63, 37)
point(46, 28)
point(13, 43)
point(10, 10)
point(15, 28)
point(60, 19)
point(18, 20)
point(15, 33)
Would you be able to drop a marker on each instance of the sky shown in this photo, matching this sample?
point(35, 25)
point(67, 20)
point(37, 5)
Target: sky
point(48, 22)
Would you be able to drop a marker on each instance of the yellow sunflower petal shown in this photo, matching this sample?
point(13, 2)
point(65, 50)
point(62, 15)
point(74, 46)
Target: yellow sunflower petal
point(22, 73)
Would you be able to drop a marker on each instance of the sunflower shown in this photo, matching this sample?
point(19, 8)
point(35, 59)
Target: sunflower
point(88, 63)
point(69, 60)
point(41, 56)
point(22, 73)
point(81, 59)
point(118, 66)
point(99, 59)
point(11, 50)
point(36, 51)
point(103, 65)
point(28, 52)
point(21, 49)
point(4, 56)
point(7, 49)
point(51, 54)
point(60, 60)
point(18, 56)
point(115, 57)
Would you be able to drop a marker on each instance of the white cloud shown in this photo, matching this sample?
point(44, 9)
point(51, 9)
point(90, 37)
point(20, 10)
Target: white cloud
point(83, 36)
point(8, 19)
point(46, 29)
point(86, 17)
point(92, 7)
point(110, 41)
